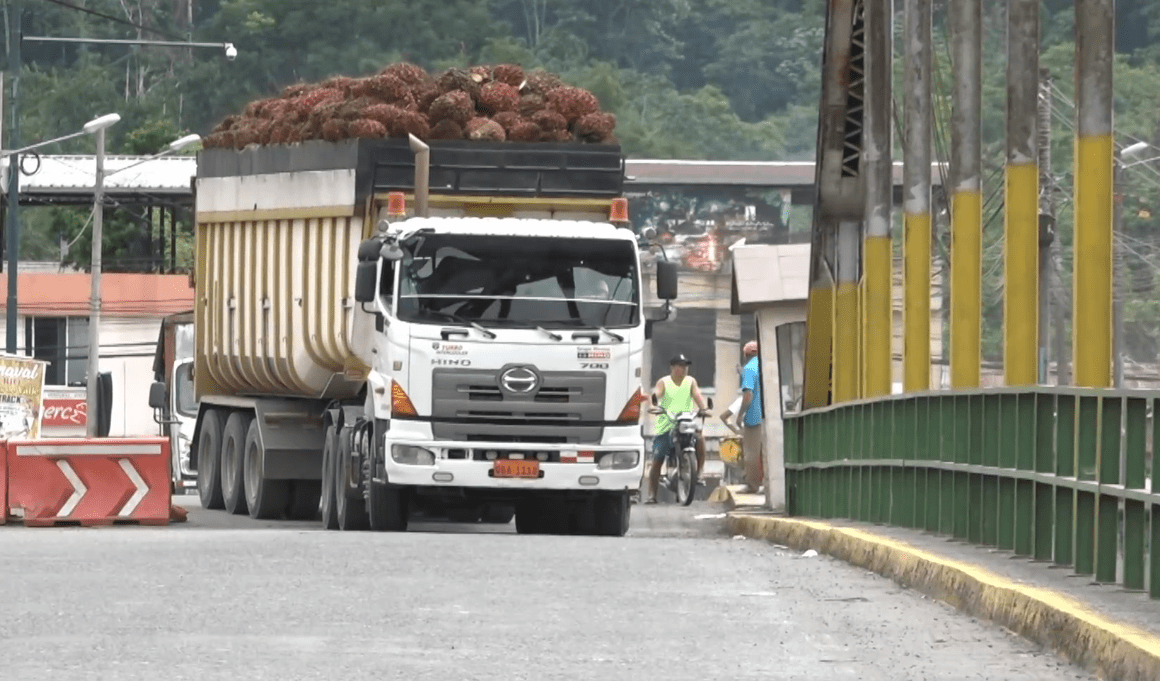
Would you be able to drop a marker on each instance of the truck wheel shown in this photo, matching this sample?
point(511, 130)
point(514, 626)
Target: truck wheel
point(387, 508)
point(612, 514)
point(349, 505)
point(265, 498)
point(304, 496)
point(329, 449)
point(529, 518)
point(233, 462)
point(209, 454)
point(498, 514)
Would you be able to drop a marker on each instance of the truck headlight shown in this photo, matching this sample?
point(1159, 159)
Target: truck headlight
point(619, 460)
point(413, 456)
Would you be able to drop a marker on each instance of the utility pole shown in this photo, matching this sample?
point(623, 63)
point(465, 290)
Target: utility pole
point(12, 224)
point(877, 250)
point(1021, 226)
point(1046, 226)
point(966, 23)
point(1094, 168)
point(916, 179)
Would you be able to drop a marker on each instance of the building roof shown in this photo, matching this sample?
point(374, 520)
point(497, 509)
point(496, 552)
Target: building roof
point(765, 274)
point(76, 174)
point(66, 294)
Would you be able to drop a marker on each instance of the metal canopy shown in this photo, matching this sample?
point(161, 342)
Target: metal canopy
point(65, 179)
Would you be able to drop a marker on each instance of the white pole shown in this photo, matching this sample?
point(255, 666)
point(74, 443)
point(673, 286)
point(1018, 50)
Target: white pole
point(95, 299)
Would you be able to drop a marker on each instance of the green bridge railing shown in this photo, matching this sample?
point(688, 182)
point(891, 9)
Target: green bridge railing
point(1062, 475)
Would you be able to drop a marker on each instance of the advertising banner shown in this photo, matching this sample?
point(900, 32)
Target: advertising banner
point(21, 397)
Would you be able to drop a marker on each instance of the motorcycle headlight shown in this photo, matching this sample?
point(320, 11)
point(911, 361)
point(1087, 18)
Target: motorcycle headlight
point(411, 455)
point(618, 460)
point(688, 427)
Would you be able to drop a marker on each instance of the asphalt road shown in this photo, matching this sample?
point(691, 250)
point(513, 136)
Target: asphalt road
point(227, 597)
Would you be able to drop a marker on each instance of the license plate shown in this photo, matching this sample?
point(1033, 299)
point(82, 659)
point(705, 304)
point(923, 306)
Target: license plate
point(512, 468)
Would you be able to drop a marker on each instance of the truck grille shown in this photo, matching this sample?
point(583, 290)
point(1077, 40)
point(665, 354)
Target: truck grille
point(468, 405)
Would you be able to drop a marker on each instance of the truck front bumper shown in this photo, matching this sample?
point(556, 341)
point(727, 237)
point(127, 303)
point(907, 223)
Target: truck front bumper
point(584, 474)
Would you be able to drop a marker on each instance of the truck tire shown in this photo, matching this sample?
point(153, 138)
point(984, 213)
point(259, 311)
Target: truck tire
point(304, 497)
point(265, 499)
point(349, 505)
point(329, 451)
point(234, 462)
point(529, 518)
point(387, 507)
point(209, 456)
point(498, 514)
point(612, 514)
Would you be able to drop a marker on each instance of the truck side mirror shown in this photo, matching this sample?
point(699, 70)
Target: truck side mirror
point(157, 395)
point(366, 279)
point(666, 280)
point(366, 282)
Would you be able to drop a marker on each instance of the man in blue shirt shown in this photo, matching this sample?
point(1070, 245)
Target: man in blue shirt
point(749, 418)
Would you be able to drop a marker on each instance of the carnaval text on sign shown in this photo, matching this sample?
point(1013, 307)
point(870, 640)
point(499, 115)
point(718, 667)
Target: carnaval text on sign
point(21, 397)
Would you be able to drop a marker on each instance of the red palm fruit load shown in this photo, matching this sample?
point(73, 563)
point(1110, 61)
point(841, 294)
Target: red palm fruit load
point(507, 119)
point(502, 102)
point(411, 123)
point(387, 87)
point(445, 129)
point(366, 128)
point(455, 105)
point(334, 130)
point(524, 131)
point(511, 74)
point(572, 102)
point(408, 73)
point(485, 129)
point(495, 97)
point(595, 126)
point(549, 120)
point(541, 82)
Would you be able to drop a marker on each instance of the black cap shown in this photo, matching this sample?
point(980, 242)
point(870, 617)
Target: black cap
point(680, 359)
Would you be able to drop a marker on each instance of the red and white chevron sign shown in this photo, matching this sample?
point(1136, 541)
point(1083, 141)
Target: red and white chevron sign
point(93, 482)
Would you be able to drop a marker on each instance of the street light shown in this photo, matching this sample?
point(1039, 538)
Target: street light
point(98, 127)
point(231, 52)
point(12, 217)
point(1117, 226)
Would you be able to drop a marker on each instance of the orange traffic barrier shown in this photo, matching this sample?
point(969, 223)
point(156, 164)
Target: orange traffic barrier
point(89, 482)
point(3, 484)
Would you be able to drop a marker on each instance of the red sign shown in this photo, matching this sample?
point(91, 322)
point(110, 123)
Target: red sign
point(95, 482)
point(64, 412)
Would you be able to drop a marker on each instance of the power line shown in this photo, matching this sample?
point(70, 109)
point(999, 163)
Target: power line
point(118, 20)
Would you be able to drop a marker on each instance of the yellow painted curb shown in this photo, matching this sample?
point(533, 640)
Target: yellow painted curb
point(1110, 649)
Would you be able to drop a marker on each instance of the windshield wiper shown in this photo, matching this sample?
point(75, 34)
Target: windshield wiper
point(616, 336)
point(550, 334)
point(462, 320)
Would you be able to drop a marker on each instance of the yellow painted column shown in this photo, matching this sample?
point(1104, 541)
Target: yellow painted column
point(916, 237)
point(966, 313)
point(1021, 198)
point(1094, 159)
point(966, 287)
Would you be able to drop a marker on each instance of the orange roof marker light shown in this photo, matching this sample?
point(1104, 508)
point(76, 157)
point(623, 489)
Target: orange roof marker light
point(618, 212)
point(396, 206)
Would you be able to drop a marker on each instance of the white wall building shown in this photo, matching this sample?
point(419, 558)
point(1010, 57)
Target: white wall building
point(53, 324)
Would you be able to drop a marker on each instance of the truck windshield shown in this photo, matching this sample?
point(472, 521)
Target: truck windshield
point(183, 378)
point(497, 280)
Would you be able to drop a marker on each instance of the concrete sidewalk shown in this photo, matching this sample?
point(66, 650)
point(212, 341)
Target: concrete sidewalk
point(1105, 629)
